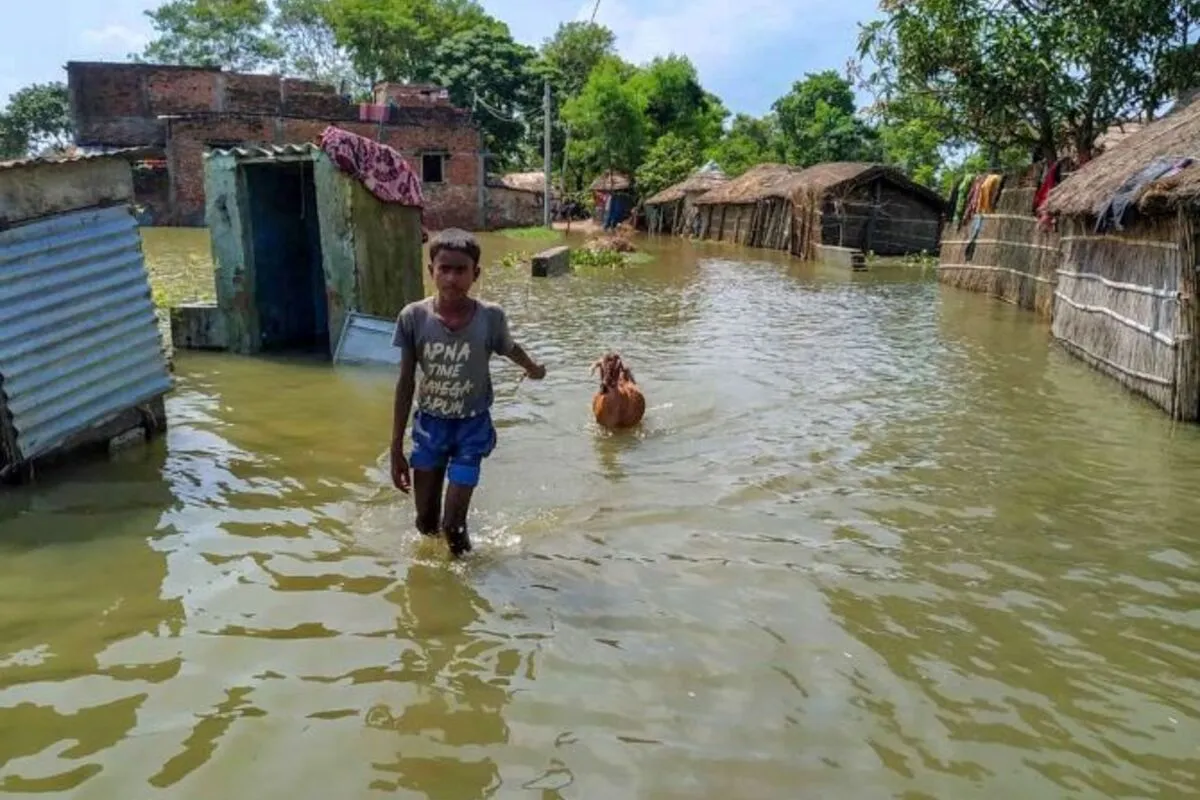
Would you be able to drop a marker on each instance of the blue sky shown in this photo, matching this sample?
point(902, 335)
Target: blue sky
point(748, 52)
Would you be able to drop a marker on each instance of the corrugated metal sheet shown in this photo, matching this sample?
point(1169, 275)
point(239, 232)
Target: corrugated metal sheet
point(279, 152)
point(125, 153)
point(367, 340)
point(79, 342)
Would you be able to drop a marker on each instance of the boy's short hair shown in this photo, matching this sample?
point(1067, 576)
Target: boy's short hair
point(457, 240)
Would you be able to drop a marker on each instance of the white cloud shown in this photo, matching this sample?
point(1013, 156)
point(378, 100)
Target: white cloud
point(116, 37)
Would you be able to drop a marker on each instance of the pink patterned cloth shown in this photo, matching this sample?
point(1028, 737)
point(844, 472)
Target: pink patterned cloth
point(381, 169)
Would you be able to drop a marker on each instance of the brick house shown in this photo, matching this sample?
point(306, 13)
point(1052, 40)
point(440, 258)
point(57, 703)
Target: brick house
point(186, 111)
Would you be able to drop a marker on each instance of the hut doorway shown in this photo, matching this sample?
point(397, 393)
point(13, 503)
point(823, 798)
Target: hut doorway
point(285, 243)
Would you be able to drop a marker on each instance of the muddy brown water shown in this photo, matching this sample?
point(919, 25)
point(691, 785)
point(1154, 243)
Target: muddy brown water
point(876, 539)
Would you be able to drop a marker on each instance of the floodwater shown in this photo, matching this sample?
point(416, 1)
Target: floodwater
point(876, 539)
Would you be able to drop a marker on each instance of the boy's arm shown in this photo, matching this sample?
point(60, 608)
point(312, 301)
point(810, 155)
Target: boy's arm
point(508, 348)
point(519, 357)
point(405, 388)
point(405, 384)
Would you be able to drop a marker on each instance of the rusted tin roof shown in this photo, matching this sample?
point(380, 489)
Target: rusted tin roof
point(125, 153)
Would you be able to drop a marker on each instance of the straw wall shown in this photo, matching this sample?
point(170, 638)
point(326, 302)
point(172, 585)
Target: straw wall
point(663, 217)
point(1126, 305)
point(882, 219)
point(1014, 260)
point(766, 223)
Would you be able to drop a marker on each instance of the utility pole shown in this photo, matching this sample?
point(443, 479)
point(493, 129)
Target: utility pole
point(546, 156)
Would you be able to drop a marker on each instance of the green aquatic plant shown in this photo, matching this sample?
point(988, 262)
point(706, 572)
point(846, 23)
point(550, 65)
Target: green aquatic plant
point(514, 259)
point(599, 259)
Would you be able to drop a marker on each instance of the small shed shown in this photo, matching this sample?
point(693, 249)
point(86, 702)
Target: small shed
point(1125, 300)
point(613, 194)
point(81, 357)
point(299, 240)
point(673, 210)
point(873, 208)
point(753, 209)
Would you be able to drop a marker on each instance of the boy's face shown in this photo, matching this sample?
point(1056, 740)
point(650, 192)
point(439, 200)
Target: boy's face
point(453, 273)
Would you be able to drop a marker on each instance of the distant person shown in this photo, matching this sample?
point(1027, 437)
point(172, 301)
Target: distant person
point(452, 336)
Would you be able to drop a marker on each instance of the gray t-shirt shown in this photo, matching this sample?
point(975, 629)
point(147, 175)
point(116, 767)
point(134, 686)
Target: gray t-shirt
point(456, 381)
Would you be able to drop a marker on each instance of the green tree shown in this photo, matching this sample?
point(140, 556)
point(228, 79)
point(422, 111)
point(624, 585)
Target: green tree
point(912, 134)
point(818, 122)
point(484, 69)
point(212, 33)
point(573, 52)
point(671, 159)
point(677, 103)
point(608, 121)
point(1034, 74)
point(749, 141)
point(394, 40)
point(304, 31)
point(37, 118)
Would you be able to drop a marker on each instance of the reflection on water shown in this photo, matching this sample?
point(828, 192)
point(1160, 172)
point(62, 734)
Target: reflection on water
point(876, 538)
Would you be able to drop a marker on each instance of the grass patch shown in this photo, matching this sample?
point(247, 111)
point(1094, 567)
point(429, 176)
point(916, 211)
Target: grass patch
point(532, 234)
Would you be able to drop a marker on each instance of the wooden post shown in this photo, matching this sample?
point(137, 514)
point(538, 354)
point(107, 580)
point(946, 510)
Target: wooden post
point(876, 195)
point(546, 155)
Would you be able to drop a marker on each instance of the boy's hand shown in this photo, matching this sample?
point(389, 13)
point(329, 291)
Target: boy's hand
point(400, 474)
point(536, 371)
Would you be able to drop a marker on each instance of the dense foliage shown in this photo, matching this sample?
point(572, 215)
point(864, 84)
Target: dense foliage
point(956, 84)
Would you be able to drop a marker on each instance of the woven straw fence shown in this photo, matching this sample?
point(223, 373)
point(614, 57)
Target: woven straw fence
point(765, 223)
point(1125, 304)
point(1014, 260)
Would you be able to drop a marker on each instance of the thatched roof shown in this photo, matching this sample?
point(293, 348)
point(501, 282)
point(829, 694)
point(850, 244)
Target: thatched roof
point(757, 183)
point(783, 181)
point(1177, 134)
point(525, 181)
point(611, 181)
point(700, 181)
point(845, 175)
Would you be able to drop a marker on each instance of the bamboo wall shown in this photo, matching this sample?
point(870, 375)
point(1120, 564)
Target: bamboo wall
point(1014, 260)
point(766, 223)
point(663, 217)
point(902, 223)
point(1125, 304)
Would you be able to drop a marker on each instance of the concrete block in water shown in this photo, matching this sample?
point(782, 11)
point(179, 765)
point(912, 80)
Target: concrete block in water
point(198, 326)
point(847, 257)
point(552, 263)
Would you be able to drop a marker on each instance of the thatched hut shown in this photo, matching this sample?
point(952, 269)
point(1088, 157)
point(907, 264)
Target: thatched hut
point(613, 195)
point(1126, 296)
point(525, 182)
point(754, 209)
point(873, 208)
point(868, 207)
point(673, 210)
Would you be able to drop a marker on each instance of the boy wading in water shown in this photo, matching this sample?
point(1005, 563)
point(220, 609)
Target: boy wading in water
point(452, 337)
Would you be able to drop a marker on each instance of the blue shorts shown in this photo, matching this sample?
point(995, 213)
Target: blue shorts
point(459, 445)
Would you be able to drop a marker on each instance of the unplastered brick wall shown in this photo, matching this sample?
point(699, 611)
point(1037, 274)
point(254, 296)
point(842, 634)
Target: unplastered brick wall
point(115, 104)
point(453, 202)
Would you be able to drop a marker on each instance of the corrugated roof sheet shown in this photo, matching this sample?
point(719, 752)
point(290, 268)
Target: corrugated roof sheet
point(79, 342)
point(279, 151)
point(125, 153)
point(367, 340)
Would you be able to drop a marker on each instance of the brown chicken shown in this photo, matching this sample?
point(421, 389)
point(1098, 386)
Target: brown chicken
point(619, 402)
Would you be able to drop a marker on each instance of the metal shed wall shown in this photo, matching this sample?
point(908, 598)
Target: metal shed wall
point(79, 342)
